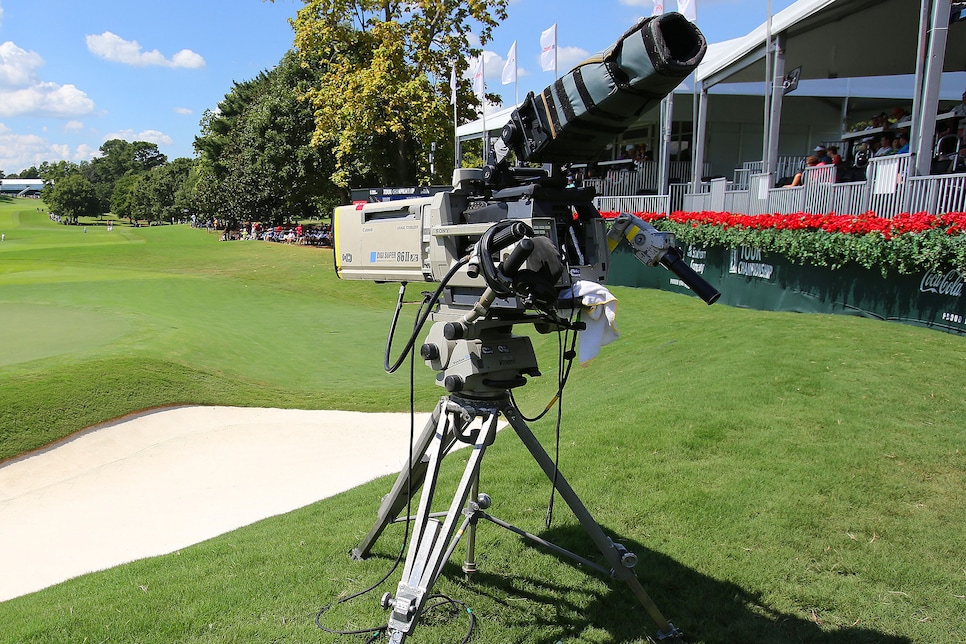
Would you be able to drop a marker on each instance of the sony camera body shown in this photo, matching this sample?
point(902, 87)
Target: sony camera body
point(420, 240)
point(424, 239)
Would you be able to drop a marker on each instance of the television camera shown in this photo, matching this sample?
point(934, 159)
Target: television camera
point(506, 246)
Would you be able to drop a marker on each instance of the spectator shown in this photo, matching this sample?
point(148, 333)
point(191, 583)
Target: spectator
point(885, 148)
point(960, 110)
point(903, 143)
point(799, 178)
point(833, 152)
point(822, 154)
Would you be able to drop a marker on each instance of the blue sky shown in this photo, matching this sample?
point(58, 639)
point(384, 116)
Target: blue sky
point(74, 74)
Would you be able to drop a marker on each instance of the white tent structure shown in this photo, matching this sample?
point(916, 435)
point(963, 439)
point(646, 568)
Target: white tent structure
point(852, 58)
point(833, 39)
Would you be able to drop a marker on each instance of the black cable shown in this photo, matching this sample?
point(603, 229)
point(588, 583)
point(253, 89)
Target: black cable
point(565, 357)
point(376, 632)
point(455, 602)
point(421, 320)
point(561, 343)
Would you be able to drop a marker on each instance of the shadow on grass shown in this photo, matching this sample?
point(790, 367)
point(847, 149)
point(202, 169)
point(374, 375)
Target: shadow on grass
point(705, 609)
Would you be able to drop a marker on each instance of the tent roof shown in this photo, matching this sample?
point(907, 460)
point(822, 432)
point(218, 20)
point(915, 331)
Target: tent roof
point(494, 123)
point(834, 39)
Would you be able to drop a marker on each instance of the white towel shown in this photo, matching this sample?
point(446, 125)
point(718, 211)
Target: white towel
point(599, 311)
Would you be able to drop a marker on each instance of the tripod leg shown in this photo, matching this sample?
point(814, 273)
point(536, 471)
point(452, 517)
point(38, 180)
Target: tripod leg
point(469, 564)
point(429, 548)
point(408, 480)
point(619, 561)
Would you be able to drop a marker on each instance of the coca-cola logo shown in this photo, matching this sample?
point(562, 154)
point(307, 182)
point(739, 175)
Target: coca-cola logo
point(950, 283)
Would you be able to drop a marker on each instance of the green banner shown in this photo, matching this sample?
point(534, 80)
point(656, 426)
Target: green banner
point(749, 278)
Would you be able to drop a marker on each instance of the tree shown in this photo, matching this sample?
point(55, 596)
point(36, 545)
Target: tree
point(154, 193)
point(120, 158)
point(52, 172)
point(33, 172)
point(257, 161)
point(382, 94)
point(123, 197)
point(71, 197)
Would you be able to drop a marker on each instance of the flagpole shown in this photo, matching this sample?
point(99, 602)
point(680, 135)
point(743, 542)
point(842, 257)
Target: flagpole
point(766, 144)
point(456, 126)
point(555, 74)
point(486, 133)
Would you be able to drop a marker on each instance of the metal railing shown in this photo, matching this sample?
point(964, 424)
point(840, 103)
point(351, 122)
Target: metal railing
point(938, 195)
point(887, 184)
point(644, 178)
point(787, 167)
point(887, 191)
point(637, 203)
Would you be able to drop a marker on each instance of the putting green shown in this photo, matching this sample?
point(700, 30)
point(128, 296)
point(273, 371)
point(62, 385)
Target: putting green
point(34, 331)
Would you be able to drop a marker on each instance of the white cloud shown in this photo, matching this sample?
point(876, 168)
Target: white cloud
point(73, 125)
point(187, 58)
point(112, 47)
point(45, 99)
point(20, 151)
point(151, 136)
point(570, 57)
point(183, 110)
point(85, 151)
point(18, 67)
point(22, 91)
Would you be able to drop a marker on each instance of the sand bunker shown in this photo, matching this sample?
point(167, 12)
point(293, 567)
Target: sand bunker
point(160, 481)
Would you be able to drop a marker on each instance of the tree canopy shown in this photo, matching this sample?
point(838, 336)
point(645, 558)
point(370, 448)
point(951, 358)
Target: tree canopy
point(381, 94)
point(120, 158)
point(257, 159)
point(71, 197)
point(361, 101)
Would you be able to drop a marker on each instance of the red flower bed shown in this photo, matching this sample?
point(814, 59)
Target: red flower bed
point(907, 243)
point(864, 224)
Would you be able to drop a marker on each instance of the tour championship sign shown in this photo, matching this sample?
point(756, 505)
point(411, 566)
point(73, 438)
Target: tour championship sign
point(748, 277)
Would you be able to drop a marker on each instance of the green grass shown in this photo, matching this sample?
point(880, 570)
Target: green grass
point(107, 322)
point(782, 477)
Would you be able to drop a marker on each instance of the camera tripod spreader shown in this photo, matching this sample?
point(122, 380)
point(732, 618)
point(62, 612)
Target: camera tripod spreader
point(478, 361)
point(436, 535)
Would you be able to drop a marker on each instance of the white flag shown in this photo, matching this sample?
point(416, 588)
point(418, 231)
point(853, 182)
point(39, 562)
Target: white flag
point(479, 86)
point(658, 8)
point(510, 69)
point(688, 9)
point(452, 85)
point(548, 49)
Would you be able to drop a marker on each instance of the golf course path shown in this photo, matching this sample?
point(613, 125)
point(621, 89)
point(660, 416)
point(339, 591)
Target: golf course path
point(160, 481)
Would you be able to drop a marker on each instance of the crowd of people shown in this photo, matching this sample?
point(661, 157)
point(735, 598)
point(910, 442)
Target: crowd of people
point(299, 234)
point(317, 235)
point(950, 142)
point(949, 153)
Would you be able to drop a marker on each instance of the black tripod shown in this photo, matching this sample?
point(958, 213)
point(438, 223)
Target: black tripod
point(435, 536)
